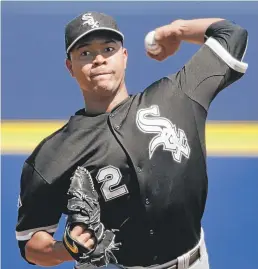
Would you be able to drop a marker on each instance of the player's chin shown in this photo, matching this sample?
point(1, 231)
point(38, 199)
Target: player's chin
point(105, 88)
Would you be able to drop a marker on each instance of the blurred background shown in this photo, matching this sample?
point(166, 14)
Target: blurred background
point(39, 96)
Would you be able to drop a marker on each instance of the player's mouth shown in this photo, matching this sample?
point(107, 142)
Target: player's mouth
point(100, 74)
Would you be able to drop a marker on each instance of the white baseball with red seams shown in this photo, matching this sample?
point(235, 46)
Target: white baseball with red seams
point(150, 44)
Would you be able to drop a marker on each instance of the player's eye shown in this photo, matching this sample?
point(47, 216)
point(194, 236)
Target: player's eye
point(85, 53)
point(109, 49)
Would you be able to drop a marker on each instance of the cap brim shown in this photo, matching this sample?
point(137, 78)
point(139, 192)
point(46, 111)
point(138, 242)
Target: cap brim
point(93, 30)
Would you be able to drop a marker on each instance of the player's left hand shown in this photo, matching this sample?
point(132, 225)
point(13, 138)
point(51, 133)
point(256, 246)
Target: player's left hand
point(85, 237)
point(168, 37)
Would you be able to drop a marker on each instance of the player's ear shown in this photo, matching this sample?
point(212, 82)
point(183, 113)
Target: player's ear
point(125, 54)
point(69, 66)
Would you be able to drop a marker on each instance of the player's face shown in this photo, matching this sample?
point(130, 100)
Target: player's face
point(98, 64)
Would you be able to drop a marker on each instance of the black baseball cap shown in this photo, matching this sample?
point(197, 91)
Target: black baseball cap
point(87, 23)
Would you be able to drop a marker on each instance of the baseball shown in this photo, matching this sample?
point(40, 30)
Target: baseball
point(150, 44)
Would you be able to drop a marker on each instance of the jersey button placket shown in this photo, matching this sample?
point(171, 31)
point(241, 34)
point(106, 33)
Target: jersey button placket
point(117, 127)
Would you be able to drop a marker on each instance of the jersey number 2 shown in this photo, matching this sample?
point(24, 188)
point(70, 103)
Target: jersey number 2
point(110, 177)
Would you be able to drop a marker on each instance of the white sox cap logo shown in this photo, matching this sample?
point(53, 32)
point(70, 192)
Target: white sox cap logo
point(148, 120)
point(88, 19)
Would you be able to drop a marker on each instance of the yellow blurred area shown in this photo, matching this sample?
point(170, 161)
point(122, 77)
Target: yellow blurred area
point(232, 138)
point(222, 138)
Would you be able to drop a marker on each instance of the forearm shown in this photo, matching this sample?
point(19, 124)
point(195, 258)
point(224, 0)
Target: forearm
point(43, 250)
point(193, 31)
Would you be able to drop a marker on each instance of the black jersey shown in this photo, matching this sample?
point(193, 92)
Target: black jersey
point(147, 158)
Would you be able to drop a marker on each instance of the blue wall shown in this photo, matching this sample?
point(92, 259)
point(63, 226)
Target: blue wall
point(34, 75)
point(35, 84)
point(230, 221)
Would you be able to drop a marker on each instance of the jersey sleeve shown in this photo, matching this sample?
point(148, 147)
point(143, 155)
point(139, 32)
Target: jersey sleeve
point(39, 207)
point(216, 65)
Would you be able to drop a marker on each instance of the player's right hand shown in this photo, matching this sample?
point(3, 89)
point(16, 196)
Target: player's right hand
point(83, 236)
point(168, 37)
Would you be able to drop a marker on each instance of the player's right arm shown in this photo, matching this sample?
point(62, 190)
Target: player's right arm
point(215, 66)
point(40, 208)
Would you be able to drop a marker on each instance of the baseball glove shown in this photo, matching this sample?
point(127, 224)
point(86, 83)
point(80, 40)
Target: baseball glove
point(83, 208)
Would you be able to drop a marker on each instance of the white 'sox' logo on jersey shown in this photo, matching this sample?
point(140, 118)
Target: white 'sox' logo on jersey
point(148, 120)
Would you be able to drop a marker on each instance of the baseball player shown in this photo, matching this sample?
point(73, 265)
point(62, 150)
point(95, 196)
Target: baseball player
point(129, 169)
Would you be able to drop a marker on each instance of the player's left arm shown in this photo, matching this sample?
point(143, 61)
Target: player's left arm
point(216, 65)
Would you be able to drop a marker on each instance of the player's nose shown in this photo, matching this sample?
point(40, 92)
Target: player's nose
point(99, 59)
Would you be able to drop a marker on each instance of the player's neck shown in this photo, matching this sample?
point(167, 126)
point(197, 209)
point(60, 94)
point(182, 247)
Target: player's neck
point(98, 105)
